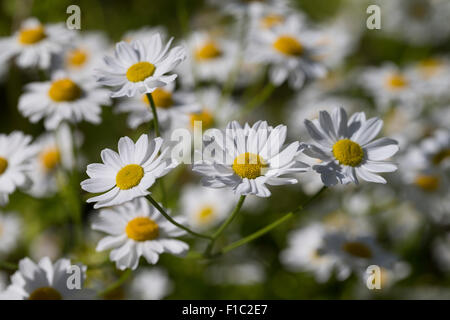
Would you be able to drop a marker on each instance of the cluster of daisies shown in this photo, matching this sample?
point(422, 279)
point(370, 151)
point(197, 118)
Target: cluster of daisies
point(164, 85)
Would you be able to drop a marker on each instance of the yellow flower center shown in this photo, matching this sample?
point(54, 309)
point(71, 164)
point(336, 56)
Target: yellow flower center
point(129, 176)
point(441, 156)
point(162, 98)
point(205, 117)
point(31, 35)
point(397, 81)
point(249, 165)
point(76, 58)
point(140, 71)
point(45, 293)
point(271, 20)
point(50, 158)
point(288, 45)
point(142, 229)
point(348, 153)
point(3, 165)
point(427, 183)
point(64, 90)
point(206, 214)
point(209, 50)
point(357, 249)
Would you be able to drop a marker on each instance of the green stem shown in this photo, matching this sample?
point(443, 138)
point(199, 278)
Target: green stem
point(224, 225)
point(155, 114)
point(166, 215)
point(125, 275)
point(259, 99)
point(271, 226)
point(8, 266)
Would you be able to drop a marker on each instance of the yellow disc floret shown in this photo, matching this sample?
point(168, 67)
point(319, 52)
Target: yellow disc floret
point(64, 90)
point(3, 165)
point(142, 229)
point(31, 35)
point(77, 58)
point(427, 183)
point(397, 81)
point(50, 158)
point(161, 97)
point(357, 249)
point(271, 20)
point(249, 165)
point(140, 71)
point(129, 176)
point(348, 153)
point(210, 50)
point(288, 45)
point(45, 293)
point(205, 117)
point(205, 214)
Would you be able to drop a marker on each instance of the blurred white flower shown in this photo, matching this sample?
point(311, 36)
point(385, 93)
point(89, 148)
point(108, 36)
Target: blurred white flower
point(145, 34)
point(128, 174)
point(10, 232)
point(150, 284)
point(137, 229)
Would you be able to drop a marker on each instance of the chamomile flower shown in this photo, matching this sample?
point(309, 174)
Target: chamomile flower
point(10, 232)
point(170, 103)
point(289, 49)
point(433, 74)
point(241, 7)
point(140, 66)
point(346, 149)
point(205, 207)
point(151, 284)
point(64, 98)
point(128, 174)
point(137, 229)
point(249, 158)
point(46, 281)
point(35, 44)
point(15, 157)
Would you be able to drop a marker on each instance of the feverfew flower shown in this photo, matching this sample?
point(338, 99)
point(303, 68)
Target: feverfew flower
point(140, 66)
point(137, 229)
point(15, 157)
point(64, 98)
point(45, 281)
point(246, 159)
point(346, 149)
point(35, 44)
point(10, 231)
point(151, 284)
point(128, 174)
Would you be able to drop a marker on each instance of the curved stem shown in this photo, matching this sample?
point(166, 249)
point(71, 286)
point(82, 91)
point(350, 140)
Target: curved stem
point(155, 114)
point(116, 284)
point(271, 226)
point(166, 215)
point(224, 225)
point(265, 93)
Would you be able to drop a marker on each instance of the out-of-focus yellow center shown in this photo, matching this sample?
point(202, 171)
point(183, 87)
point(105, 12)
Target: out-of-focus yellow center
point(427, 183)
point(357, 249)
point(441, 156)
point(162, 98)
point(271, 20)
point(348, 153)
point(205, 117)
point(129, 176)
point(288, 45)
point(3, 165)
point(396, 82)
point(140, 71)
point(142, 229)
point(210, 50)
point(76, 58)
point(206, 214)
point(32, 35)
point(45, 293)
point(50, 158)
point(64, 90)
point(249, 165)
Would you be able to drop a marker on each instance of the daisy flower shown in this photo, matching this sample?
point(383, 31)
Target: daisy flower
point(433, 75)
point(346, 149)
point(170, 104)
point(15, 157)
point(34, 44)
point(64, 98)
point(249, 158)
point(10, 232)
point(137, 229)
point(140, 66)
point(128, 174)
point(240, 7)
point(205, 207)
point(151, 284)
point(289, 49)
